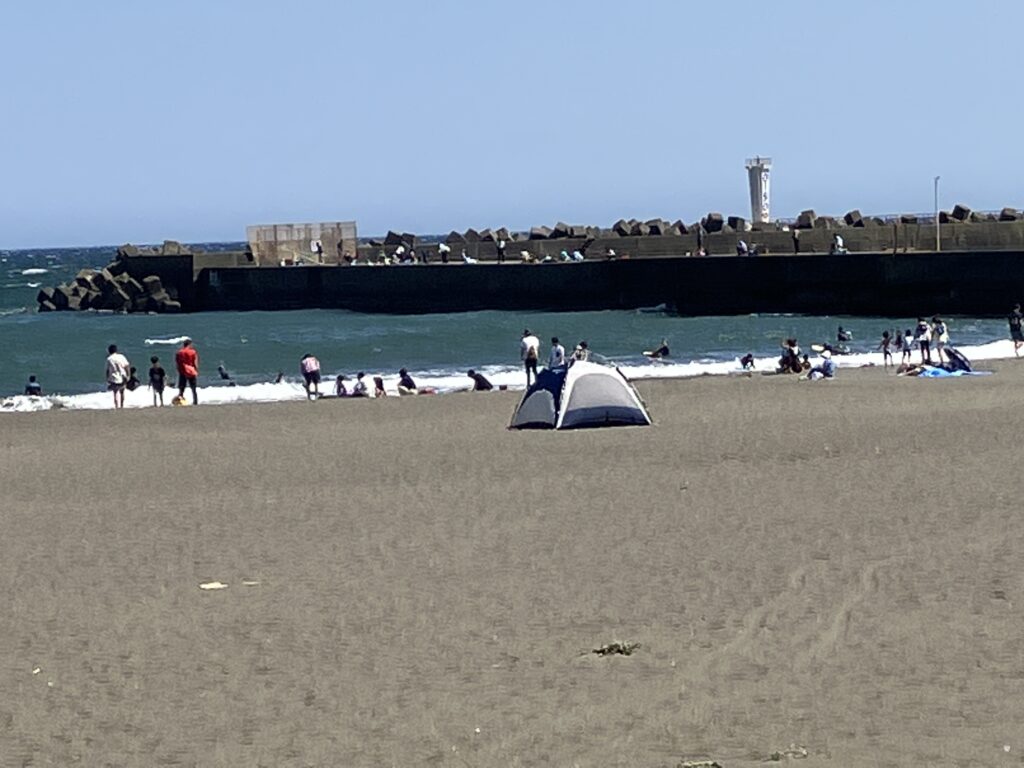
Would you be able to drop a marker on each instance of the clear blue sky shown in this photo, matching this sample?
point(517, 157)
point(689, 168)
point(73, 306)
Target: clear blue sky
point(138, 121)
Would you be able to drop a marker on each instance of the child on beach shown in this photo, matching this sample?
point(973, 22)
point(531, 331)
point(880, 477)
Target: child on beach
point(886, 352)
point(908, 346)
point(133, 379)
point(157, 381)
point(940, 335)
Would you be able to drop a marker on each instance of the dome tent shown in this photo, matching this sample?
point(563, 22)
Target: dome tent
point(582, 395)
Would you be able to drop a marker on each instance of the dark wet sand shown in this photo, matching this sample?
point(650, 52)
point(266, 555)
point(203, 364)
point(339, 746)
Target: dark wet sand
point(831, 565)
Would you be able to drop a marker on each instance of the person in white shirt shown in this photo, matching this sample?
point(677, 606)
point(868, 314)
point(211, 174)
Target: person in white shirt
point(117, 374)
point(529, 352)
point(359, 389)
point(557, 357)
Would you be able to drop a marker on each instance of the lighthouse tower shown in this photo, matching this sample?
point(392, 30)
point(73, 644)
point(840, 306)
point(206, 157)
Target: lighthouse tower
point(759, 172)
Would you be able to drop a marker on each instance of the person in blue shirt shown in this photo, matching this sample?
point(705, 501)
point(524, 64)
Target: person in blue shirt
point(827, 369)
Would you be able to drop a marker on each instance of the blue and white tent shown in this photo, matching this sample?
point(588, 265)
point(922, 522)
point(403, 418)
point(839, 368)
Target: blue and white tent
point(583, 394)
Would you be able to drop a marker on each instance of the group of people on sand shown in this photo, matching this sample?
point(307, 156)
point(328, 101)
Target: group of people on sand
point(529, 354)
point(121, 375)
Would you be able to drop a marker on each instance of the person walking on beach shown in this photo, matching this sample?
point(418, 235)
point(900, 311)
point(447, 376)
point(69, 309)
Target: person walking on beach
point(186, 360)
point(556, 358)
point(940, 335)
point(1016, 320)
point(310, 368)
point(157, 381)
point(923, 334)
point(528, 353)
point(908, 346)
point(117, 374)
point(884, 345)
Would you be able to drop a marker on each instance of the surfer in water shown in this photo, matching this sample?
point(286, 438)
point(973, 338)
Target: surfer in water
point(660, 352)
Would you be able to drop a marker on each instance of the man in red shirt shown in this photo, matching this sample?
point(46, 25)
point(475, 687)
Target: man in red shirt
point(187, 361)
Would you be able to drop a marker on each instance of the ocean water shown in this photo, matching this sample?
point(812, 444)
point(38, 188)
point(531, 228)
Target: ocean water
point(67, 351)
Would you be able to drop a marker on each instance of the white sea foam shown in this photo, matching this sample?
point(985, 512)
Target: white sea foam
point(32, 285)
point(172, 341)
point(34, 271)
point(445, 381)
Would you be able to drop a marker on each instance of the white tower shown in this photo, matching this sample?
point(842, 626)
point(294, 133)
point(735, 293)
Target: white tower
point(759, 171)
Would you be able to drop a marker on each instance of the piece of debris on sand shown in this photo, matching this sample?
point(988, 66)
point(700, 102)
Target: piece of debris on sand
point(794, 751)
point(699, 764)
point(616, 649)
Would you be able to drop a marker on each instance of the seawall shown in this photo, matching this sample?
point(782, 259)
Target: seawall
point(899, 284)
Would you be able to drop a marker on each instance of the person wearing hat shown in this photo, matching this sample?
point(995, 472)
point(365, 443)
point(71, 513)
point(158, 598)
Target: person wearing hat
point(827, 369)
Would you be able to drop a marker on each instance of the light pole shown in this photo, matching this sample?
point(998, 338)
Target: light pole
point(938, 243)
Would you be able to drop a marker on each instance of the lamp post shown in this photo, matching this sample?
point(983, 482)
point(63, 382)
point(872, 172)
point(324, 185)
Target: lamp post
point(938, 243)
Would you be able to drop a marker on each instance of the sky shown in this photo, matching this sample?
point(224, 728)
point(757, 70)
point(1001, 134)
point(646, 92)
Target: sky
point(127, 121)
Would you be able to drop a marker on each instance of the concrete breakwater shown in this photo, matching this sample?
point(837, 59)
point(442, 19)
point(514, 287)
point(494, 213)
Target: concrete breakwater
point(890, 268)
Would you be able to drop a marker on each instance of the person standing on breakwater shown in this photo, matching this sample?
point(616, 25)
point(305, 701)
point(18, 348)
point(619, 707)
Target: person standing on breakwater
point(556, 358)
point(117, 374)
point(1016, 320)
point(796, 240)
point(157, 381)
point(186, 360)
point(310, 368)
point(501, 251)
point(528, 353)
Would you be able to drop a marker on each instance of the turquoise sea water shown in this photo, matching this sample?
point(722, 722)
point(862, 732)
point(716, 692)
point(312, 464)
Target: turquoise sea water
point(67, 350)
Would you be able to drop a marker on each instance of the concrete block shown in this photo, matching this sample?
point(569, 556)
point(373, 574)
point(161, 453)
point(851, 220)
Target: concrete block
point(127, 250)
point(908, 218)
point(713, 222)
point(409, 240)
point(738, 223)
point(173, 248)
point(45, 295)
point(455, 237)
point(75, 303)
point(392, 238)
point(639, 229)
point(961, 212)
point(540, 233)
point(61, 294)
point(472, 236)
point(486, 236)
point(168, 306)
point(1009, 214)
point(84, 278)
point(101, 278)
point(681, 228)
point(92, 300)
point(501, 233)
point(853, 218)
point(806, 219)
point(622, 228)
point(47, 306)
point(824, 222)
point(560, 230)
point(945, 218)
point(152, 284)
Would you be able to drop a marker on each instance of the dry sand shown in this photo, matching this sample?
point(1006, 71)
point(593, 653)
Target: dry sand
point(829, 565)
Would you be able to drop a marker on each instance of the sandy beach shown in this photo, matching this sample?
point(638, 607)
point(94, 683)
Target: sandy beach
point(829, 567)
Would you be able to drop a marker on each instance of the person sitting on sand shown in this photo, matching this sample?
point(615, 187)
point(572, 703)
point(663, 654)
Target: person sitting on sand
point(406, 386)
point(378, 387)
point(827, 369)
point(789, 361)
point(747, 361)
point(480, 382)
point(581, 353)
point(340, 390)
point(33, 388)
point(133, 379)
point(359, 389)
point(223, 373)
